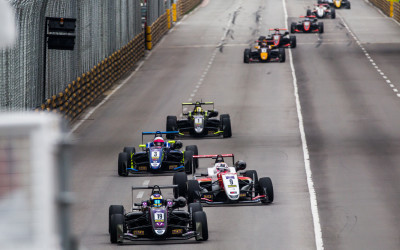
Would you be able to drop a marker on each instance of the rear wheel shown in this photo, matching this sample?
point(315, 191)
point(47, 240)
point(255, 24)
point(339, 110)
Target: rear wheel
point(200, 225)
point(114, 209)
point(348, 6)
point(321, 27)
point(282, 55)
point(293, 27)
point(193, 191)
point(123, 164)
point(246, 56)
point(309, 13)
point(116, 230)
point(195, 151)
point(254, 176)
point(333, 13)
point(267, 189)
point(172, 125)
point(188, 162)
point(180, 179)
point(225, 121)
point(195, 207)
point(293, 42)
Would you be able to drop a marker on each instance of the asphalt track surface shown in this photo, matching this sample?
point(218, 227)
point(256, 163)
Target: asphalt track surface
point(348, 81)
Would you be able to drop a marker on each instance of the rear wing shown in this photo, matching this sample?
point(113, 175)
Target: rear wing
point(214, 156)
point(196, 103)
point(158, 133)
point(307, 16)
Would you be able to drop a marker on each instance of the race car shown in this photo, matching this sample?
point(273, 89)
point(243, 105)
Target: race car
point(337, 3)
point(200, 122)
point(224, 184)
point(262, 52)
point(157, 156)
point(278, 39)
point(157, 219)
point(322, 10)
point(309, 24)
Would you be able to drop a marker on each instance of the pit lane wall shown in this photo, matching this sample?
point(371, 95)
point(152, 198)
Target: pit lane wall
point(389, 8)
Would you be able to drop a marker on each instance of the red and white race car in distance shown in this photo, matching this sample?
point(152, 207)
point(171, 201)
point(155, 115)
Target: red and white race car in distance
point(224, 184)
point(322, 10)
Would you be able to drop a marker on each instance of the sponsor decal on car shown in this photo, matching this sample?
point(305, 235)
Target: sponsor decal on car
point(138, 232)
point(172, 167)
point(176, 231)
point(142, 168)
point(208, 196)
point(231, 186)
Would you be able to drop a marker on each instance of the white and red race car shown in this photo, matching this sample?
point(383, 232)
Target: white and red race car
point(224, 184)
point(322, 10)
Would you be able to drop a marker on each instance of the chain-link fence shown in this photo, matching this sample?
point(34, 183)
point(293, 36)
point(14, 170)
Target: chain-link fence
point(103, 27)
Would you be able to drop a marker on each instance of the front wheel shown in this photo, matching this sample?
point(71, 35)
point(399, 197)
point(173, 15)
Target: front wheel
point(348, 6)
point(123, 164)
point(225, 121)
point(293, 27)
point(246, 56)
point(114, 209)
point(333, 13)
point(266, 189)
point(321, 27)
point(293, 42)
point(172, 125)
point(200, 225)
point(188, 162)
point(180, 179)
point(117, 228)
point(282, 55)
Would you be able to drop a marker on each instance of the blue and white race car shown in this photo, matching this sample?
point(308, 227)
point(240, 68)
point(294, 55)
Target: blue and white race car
point(157, 156)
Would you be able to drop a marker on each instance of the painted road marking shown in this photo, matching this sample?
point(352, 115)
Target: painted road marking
point(140, 195)
point(319, 243)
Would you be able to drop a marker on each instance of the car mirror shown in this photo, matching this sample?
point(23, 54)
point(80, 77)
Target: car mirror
point(213, 113)
point(180, 201)
point(177, 145)
point(240, 165)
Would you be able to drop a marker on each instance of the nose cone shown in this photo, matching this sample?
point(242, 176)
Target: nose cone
point(264, 56)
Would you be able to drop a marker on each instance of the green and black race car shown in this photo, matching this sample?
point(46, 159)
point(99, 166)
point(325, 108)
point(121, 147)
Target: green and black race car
point(200, 122)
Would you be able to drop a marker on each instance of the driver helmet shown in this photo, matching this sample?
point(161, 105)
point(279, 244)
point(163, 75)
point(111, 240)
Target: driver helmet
point(264, 44)
point(222, 167)
point(158, 141)
point(156, 200)
point(198, 110)
point(276, 32)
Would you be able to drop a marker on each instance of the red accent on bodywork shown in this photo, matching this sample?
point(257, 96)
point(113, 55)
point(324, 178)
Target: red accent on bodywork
point(259, 196)
point(204, 179)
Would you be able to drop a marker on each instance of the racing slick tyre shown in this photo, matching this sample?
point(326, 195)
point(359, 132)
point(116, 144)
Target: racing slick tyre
point(200, 225)
point(180, 179)
point(129, 151)
point(195, 151)
point(321, 27)
point(194, 207)
point(225, 120)
point(293, 42)
point(116, 222)
point(253, 175)
point(333, 13)
point(293, 27)
point(114, 209)
point(123, 164)
point(172, 125)
point(246, 56)
point(309, 13)
point(348, 6)
point(282, 55)
point(188, 162)
point(193, 191)
point(267, 189)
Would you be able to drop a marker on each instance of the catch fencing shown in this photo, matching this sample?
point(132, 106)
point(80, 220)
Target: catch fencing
point(110, 39)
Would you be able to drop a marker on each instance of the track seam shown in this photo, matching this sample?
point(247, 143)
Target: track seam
point(310, 183)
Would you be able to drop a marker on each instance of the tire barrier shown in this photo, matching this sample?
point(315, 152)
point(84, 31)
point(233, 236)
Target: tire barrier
point(85, 89)
point(188, 5)
point(156, 31)
point(389, 8)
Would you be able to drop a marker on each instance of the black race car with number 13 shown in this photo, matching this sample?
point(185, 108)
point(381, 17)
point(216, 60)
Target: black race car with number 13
point(200, 122)
point(262, 52)
point(309, 24)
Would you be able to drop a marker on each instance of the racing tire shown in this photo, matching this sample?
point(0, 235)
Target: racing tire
point(193, 191)
point(225, 120)
point(348, 6)
point(246, 56)
point(254, 176)
point(188, 162)
point(267, 189)
point(172, 125)
point(114, 209)
point(116, 220)
point(282, 55)
point(180, 179)
point(309, 13)
point(129, 151)
point(195, 151)
point(293, 27)
point(200, 218)
point(123, 164)
point(321, 27)
point(333, 13)
point(194, 207)
point(293, 42)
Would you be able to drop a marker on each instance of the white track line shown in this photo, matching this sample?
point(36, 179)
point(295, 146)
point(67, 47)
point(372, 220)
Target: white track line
point(319, 243)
